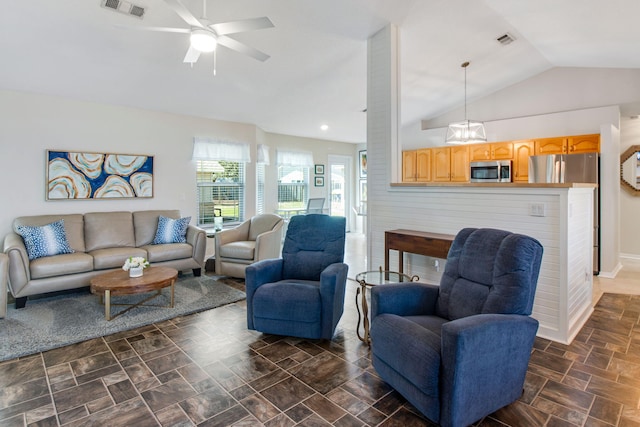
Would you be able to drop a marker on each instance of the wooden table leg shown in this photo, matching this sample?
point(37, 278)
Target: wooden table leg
point(107, 305)
point(172, 293)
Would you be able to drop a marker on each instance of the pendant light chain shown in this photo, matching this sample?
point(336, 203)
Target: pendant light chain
point(465, 65)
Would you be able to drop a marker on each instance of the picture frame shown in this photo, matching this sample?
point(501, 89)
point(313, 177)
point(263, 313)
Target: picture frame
point(75, 175)
point(319, 181)
point(362, 163)
point(319, 169)
point(363, 190)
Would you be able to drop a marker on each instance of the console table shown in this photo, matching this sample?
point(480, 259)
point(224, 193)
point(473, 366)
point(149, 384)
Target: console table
point(416, 242)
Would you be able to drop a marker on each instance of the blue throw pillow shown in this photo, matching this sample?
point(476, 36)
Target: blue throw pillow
point(171, 230)
point(48, 240)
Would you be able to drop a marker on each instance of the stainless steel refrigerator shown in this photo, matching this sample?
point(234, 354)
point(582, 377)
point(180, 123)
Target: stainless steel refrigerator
point(572, 168)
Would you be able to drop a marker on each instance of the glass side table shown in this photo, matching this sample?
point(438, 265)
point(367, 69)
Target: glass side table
point(371, 279)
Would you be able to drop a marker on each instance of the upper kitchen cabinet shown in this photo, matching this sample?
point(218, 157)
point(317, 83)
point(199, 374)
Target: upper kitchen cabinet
point(416, 165)
point(451, 163)
point(493, 151)
point(557, 145)
point(409, 165)
point(583, 144)
point(521, 152)
point(568, 144)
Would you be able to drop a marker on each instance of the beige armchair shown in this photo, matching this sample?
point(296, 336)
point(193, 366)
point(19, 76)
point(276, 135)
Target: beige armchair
point(4, 274)
point(255, 239)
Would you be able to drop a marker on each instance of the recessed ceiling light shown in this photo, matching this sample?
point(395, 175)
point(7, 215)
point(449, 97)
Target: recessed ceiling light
point(324, 127)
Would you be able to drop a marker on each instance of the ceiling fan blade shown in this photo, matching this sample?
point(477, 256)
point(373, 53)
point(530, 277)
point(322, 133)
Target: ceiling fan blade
point(192, 55)
point(242, 48)
point(242, 25)
point(184, 13)
point(159, 29)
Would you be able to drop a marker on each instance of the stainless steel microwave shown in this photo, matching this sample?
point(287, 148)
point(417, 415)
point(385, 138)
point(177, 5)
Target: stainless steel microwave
point(491, 171)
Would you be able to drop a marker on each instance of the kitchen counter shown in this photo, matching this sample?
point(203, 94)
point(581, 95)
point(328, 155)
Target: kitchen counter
point(492, 184)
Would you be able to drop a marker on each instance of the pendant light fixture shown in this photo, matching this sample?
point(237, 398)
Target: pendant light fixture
point(468, 131)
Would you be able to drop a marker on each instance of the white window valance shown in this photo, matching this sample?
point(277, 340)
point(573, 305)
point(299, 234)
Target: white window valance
point(295, 158)
point(262, 155)
point(212, 149)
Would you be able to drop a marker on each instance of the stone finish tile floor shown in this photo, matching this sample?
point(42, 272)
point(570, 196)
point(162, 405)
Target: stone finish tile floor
point(207, 369)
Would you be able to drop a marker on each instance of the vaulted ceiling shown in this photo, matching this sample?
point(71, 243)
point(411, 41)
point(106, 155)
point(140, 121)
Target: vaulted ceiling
point(317, 70)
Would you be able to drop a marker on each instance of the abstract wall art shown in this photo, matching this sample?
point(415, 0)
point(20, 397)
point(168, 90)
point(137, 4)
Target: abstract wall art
point(80, 176)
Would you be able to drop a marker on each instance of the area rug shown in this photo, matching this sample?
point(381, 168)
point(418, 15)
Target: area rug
point(56, 321)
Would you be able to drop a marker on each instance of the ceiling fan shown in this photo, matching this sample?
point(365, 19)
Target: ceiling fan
point(206, 36)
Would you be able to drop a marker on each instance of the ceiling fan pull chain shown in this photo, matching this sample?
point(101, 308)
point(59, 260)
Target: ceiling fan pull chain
point(215, 62)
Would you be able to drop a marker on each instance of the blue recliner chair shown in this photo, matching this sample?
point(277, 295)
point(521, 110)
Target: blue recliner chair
point(302, 293)
point(460, 351)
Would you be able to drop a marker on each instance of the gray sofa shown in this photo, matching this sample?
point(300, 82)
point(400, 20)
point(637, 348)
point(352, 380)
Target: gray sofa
point(102, 241)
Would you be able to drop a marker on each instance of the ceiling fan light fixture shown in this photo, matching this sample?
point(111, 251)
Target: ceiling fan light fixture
point(468, 131)
point(203, 40)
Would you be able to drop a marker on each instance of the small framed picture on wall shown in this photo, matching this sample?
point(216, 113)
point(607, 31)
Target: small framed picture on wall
point(319, 181)
point(362, 157)
point(319, 169)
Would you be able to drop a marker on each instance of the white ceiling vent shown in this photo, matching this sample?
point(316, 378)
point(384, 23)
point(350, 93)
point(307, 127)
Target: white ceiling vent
point(506, 39)
point(125, 7)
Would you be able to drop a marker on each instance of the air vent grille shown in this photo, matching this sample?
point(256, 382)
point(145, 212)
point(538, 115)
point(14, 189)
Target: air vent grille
point(112, 4)
point(137, 11)
point(506, 39)
point(124, 7)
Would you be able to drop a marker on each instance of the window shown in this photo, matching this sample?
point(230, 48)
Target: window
point(260, 188)
point(220, 186)
point(293, 180)
point(293, 187)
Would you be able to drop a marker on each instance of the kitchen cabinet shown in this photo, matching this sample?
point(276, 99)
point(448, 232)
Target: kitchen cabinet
point(409, 165)
point(551, 146)
point(451, 163)
point(491, 151)
point(521, 152)
point(583, 144)
point(568, 144)
point(416, 165)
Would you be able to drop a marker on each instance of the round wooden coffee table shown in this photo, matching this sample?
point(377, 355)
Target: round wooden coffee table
point(119, 283)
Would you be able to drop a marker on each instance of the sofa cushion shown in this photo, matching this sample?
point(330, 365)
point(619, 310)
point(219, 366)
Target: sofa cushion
point(169, 252)
point(60, 265)
point(238, 250)
point(46, 240)
point(108, 230)
point(171, 230)
point(146, 224)
point(114, 257)
point(73, 225)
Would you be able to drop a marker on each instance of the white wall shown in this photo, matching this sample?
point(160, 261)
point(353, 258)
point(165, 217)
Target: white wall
point(32, 123)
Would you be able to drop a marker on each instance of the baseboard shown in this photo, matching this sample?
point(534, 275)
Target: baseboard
point(611, 274)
